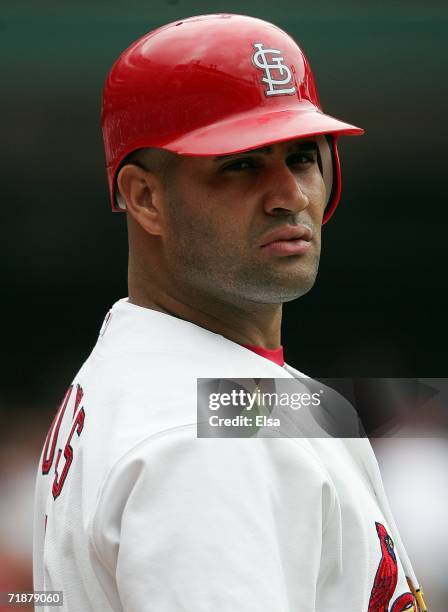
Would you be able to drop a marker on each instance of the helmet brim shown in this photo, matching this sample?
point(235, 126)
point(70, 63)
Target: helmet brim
point(251, 130)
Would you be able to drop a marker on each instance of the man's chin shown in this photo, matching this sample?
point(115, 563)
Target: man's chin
point(289, 296)
point(280, 293)
point(297, 284)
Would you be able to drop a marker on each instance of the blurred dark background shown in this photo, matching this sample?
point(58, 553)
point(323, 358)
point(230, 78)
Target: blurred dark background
point(379, 306)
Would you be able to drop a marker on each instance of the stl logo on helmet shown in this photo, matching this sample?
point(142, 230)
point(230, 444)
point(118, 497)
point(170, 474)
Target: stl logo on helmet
point(273, 67)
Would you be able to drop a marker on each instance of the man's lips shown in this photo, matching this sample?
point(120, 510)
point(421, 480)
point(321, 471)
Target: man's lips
point(292, 232)
point(291, 240)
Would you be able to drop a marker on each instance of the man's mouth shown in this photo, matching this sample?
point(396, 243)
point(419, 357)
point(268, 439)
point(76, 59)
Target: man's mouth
point(290, 240)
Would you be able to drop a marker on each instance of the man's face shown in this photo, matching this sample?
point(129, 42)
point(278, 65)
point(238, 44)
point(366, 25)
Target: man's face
point(226, 217)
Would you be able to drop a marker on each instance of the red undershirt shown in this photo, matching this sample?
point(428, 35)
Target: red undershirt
point(275, 355)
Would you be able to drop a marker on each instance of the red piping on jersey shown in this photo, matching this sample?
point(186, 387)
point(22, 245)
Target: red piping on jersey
point(275, 355)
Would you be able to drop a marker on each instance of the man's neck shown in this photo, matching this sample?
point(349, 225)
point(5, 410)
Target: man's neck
point(251, 323)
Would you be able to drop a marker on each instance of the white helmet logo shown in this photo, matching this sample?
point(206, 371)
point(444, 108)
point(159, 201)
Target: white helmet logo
point(276, 86)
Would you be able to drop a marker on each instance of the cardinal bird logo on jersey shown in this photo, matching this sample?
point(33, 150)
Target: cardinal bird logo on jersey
point(386, 578)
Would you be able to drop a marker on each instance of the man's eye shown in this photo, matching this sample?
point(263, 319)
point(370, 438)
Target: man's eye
point(239, 165)
point(250, 163)
point(302, 158)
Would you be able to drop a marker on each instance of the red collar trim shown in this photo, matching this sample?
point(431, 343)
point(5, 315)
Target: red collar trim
point(275, 355)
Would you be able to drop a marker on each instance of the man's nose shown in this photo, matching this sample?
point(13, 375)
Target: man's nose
point(283, 194)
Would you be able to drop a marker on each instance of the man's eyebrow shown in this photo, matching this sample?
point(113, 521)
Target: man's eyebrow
point(304, 144)
point(308, 145)
point(266, 150)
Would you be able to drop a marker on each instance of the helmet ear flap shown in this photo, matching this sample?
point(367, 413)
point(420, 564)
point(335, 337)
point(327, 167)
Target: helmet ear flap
point(325, 162)
point(331, 171)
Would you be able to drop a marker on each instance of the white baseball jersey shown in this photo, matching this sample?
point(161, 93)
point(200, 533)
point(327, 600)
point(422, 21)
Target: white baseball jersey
point(134, 512)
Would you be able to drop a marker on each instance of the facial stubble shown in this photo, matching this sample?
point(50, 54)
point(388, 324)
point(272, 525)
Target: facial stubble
point(207, 258)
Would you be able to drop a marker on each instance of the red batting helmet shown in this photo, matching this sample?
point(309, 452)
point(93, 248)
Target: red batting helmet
point(214, 85)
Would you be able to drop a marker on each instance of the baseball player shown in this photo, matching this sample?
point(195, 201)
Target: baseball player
point(219, 152)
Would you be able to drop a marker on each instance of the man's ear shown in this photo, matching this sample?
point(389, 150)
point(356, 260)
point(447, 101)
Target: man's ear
point(144, 194)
